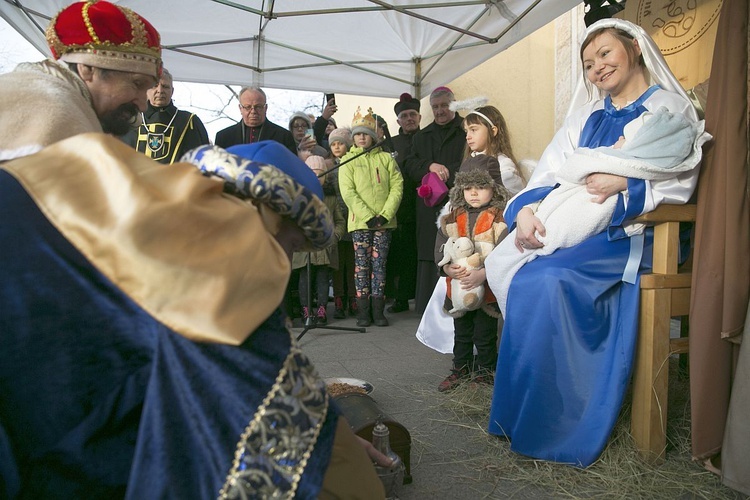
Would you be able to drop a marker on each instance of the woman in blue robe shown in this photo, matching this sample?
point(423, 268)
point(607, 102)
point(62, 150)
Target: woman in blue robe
point(569, 337)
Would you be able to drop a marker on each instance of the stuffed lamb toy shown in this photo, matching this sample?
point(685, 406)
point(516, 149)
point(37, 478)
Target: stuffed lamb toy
point(461, 251)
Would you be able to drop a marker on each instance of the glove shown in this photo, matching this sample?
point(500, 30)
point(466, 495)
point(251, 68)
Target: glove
point(373, 223)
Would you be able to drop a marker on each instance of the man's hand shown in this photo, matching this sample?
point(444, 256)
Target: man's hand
point(441, 170)
point(374, 454)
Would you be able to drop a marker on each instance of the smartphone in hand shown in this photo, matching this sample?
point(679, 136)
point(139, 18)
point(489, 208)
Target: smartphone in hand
point(329, 97)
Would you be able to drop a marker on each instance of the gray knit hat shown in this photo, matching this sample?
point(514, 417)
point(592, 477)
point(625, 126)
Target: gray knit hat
point(301, 116)
point(342, 135)
point(476, 178)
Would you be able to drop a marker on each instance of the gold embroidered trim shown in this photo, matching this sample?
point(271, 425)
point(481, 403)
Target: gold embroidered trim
point(87, 23)
point(273, 451)
point(138, 29)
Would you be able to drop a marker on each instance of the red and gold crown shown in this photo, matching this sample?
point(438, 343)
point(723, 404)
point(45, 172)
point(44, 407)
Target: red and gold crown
point(104, 35)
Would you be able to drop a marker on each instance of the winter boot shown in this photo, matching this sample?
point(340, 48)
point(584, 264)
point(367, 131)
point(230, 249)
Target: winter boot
point(456, 378)
point(322, 318)
point(308, 316)
point(378, 304)
point(486, 377)
point(363, 311)
point(352, 306)
point(338, 311)
point(399, 306)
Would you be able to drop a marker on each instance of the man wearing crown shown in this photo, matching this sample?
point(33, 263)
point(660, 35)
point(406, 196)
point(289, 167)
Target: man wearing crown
point(143, 353)
point(104, 62)
point(165, 133)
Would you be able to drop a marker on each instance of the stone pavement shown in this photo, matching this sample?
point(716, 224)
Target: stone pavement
point(405, 375)
point(451, 458)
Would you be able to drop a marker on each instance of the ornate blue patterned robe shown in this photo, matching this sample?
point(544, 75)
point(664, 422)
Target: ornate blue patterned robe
point(137, 361)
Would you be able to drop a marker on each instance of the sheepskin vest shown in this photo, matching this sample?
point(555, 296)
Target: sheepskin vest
point(489, 229)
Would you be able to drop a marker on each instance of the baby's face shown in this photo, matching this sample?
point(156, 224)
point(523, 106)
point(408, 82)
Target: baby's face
point(478, 197)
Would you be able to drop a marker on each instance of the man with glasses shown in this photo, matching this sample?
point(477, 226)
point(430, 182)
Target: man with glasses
point(401, 271)
point(438, 148)
point(254, 126)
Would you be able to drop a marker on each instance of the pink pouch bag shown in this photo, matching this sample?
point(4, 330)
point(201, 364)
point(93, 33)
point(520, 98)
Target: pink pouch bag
point(433, 190)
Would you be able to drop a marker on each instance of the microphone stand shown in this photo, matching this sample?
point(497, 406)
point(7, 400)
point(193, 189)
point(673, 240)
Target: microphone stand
point(310, 322)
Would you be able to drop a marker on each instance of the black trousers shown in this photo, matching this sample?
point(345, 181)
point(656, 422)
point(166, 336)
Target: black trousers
point(475, 328)
point(401, 274)
point(320, 277)
point(427, 278)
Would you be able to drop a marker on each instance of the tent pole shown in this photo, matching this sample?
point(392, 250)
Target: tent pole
point(417, 78)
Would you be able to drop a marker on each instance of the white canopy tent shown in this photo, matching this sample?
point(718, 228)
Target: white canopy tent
point(361, 47)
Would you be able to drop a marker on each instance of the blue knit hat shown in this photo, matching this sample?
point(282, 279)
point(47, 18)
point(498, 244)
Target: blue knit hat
point(268, 173)
point(276, 154)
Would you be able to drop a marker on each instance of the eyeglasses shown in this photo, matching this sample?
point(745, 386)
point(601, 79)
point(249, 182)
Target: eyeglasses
point(253, 107)
point(300, 127)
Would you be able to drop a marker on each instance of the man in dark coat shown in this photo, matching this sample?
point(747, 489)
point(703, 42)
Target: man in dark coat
point(166, 133)
point(254, 125)
point(437, 148)
point(401, 272)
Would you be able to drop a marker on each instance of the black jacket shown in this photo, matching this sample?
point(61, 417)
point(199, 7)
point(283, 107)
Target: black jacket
point(407, 210)
point(237, 134)
point(433, 144)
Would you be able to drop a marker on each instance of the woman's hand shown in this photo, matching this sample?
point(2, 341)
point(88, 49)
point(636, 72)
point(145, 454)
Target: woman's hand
point(602, 186)
point(306, 144)
point(473, 278)
point(454, 271)
point(527, 225)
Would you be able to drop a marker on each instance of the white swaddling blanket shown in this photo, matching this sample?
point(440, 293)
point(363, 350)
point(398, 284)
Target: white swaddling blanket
point(664, 146)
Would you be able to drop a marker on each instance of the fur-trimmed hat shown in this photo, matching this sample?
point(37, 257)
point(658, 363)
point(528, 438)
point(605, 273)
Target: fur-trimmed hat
point(406, 101)
point(366, 124)
point(342, 135)
point(476, 178)
point(105, 35)
point(301, 116)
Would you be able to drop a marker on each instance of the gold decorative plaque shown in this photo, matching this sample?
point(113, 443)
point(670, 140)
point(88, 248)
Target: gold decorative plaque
point(684, 30)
